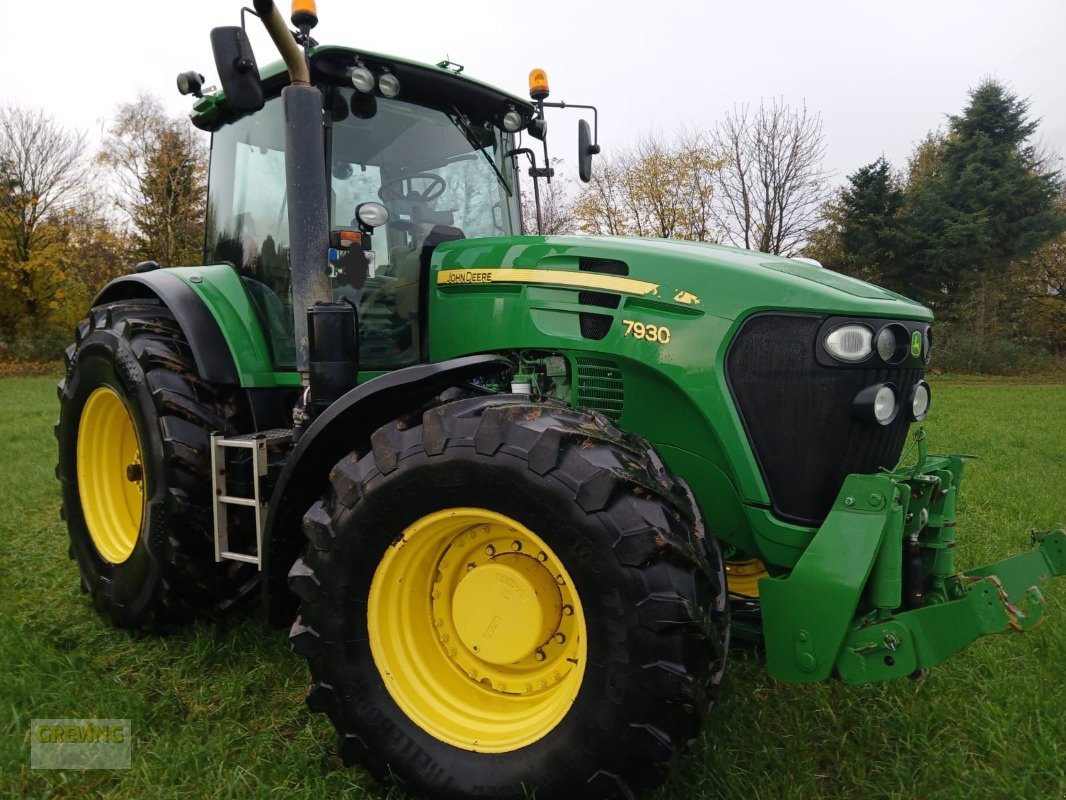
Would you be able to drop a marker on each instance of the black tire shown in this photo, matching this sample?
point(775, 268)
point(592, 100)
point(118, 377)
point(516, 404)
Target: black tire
point(627, 531)
point(137, 348)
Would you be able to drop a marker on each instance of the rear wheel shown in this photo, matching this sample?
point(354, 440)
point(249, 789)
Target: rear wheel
point(503, 597)
point(133, 433)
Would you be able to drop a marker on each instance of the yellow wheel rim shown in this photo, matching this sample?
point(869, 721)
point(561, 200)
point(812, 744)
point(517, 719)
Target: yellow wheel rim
point(477, 630)
point(110, 475)
point(742, 577)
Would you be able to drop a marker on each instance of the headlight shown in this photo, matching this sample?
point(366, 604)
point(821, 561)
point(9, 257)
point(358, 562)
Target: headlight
point(851, 343)
point(512, 121)
point(920, 401)
point(389, 85)
point(362, 79)
point(877, 404)
point(892, 343)
point(372, 215)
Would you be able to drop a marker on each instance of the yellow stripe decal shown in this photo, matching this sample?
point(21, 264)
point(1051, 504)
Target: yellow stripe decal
point(583, 280)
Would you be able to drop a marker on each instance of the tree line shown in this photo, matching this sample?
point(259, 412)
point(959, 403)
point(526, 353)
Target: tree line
point(73, 218)
point(974, 224)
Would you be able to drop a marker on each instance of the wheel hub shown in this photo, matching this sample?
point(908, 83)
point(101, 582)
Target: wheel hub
point(495, 658)
point(110, 475)
point(506, 609)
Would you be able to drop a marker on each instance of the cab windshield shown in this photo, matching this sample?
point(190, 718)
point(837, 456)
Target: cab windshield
point(440, 175)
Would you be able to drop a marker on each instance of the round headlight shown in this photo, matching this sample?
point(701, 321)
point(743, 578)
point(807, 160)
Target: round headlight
point(850, 343)
point(372, 215)
point(892, 343)
point(885, 405)
point(512, 121)
point(877, 404)
point(389, 85)
point(920, 401)
point(362, 79)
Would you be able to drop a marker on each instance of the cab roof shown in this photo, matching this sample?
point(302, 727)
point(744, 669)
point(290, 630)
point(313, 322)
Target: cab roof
point(433, 84)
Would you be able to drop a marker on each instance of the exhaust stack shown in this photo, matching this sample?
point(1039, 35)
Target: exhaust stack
point(305, 174)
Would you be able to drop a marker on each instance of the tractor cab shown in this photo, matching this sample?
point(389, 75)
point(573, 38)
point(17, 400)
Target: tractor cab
point(418, 155)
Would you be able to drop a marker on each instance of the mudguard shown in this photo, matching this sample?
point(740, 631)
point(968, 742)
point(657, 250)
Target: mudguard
point(214, 361)
point(337, 431)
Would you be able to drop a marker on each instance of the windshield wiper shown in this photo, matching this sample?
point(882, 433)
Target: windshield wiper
point(460, 122)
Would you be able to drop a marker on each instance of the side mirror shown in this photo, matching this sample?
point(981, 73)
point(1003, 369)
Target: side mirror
point(585, 151)
point(237, 70)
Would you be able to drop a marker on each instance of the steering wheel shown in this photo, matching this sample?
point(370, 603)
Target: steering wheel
point(403, 188)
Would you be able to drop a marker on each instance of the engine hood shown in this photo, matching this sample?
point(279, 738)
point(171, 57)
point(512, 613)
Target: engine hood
point(724, 281)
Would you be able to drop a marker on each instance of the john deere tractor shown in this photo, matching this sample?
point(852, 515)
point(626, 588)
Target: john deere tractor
point(512, 493)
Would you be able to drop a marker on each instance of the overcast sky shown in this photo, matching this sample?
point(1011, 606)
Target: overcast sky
point(881, 74)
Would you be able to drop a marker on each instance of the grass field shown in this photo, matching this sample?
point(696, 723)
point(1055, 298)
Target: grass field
point(217, 710)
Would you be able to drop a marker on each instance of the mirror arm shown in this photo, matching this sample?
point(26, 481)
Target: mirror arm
point(595, 120)
point(246, 10)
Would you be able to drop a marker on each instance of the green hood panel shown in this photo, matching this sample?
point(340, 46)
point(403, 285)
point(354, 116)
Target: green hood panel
point(665, 322)
point(724, 281)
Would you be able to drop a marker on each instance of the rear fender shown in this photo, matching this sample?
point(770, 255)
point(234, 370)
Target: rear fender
point(214, 362)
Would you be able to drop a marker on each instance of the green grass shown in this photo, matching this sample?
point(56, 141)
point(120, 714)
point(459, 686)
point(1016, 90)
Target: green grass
point(217, 709)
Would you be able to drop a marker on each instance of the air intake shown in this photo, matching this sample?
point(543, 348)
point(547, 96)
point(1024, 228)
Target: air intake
point(608, 266)
point(599, 386)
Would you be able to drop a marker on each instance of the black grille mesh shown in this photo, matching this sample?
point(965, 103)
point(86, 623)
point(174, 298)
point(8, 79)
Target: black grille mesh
point(599, 386)
point(799, 418)
point(608, 266)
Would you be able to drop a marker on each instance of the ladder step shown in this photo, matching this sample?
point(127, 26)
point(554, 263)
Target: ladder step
point(236, 501)
point(250, 440)
point(247, 559)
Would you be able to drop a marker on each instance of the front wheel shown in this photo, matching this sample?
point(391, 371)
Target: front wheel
point(503, 597)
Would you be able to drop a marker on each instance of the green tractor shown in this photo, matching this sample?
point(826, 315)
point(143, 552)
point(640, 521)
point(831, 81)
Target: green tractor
point(512, 493)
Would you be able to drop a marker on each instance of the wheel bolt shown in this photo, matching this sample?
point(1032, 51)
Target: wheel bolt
point(542, 556)
point(490, 550)
point(516, 546)
point(568, 610)
point(560, 638)
point(539, 655)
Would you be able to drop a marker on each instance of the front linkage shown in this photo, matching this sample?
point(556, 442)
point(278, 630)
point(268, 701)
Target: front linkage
point(876, 594)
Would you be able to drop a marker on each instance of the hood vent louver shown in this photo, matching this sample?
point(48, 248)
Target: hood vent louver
point(599, 386)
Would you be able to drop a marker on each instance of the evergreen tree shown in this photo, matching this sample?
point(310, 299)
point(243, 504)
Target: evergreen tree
point(862, 235)
point(869, 214)
point(986, 202)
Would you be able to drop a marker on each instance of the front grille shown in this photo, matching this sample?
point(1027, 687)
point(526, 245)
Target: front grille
point(798, 413)
point(599, 386)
